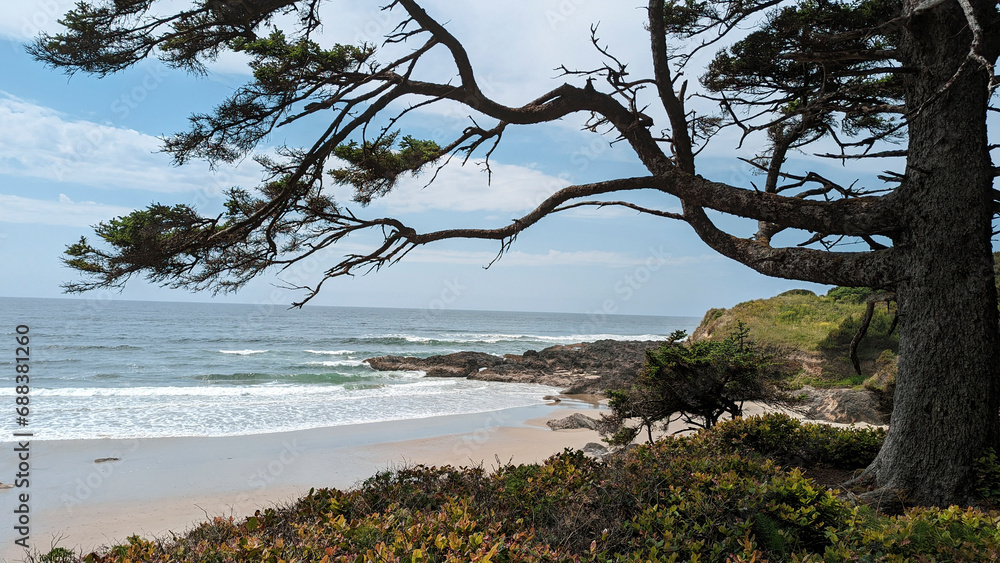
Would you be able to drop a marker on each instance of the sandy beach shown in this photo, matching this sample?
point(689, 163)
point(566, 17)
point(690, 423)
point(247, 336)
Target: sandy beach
point(152, 487)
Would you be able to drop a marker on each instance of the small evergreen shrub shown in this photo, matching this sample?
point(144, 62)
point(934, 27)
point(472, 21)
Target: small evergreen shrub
point(697, 382)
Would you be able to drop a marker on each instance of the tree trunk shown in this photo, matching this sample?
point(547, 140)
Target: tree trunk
point(947, 406)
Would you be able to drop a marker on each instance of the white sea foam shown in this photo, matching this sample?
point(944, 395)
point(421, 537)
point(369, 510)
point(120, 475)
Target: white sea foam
point(215, 411)
point(576, 338)
point(469, 339)
point(265, 390)
point(243, 352)
point(493, 338)
point(337, 363)
point(331, 352)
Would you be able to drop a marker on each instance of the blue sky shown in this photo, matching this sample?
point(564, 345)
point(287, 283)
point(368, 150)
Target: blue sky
point(75, 151)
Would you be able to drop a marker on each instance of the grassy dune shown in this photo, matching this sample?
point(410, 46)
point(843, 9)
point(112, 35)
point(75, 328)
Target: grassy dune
point(814, 329)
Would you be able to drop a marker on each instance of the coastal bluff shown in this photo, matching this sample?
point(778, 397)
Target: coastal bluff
point(588, 367)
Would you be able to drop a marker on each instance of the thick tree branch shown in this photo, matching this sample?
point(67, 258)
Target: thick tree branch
point(867, 269)
point(853, 216)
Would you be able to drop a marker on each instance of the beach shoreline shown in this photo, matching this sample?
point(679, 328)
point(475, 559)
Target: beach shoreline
point(155, 486)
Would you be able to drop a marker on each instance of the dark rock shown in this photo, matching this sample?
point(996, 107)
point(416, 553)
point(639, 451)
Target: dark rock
point(579, 368)
point(845, 406)
point(460, 364)
point(552, 398)
point(573, 422)
point(595, 450)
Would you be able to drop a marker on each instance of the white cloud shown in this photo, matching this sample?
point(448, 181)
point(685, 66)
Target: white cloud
point(466, 188)
point(22, 21)
point(39, 142)
point(62, 212)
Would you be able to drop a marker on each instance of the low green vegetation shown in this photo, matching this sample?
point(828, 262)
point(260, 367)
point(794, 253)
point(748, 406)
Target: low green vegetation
point(797, 319)
point(996, 274)
point(719, 495)
point(818, 327)
point(696, 383)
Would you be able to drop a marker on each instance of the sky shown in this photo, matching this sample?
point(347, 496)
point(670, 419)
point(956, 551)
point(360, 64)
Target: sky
point(78, 150)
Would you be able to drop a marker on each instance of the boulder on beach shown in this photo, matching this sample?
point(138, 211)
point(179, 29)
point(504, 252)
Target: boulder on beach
point(844, 406)
point(573, 422)
point(595, 450)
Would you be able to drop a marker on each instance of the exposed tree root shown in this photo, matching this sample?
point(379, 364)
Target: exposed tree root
point(886, 500)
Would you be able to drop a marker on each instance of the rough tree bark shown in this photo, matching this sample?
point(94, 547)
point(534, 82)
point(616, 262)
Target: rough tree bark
point(946, 401)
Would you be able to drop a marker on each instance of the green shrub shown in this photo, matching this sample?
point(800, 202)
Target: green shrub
point(850, 294)
point(58, 555)
point(786, 439)
point(698, 382)
point(797, 292)
point(876, 338)
point(712, 314)
point(922, 534)
point(794, 313)
point(987, 471)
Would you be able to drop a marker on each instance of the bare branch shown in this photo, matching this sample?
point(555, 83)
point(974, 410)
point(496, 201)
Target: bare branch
point(673, 105)
point(630, 205)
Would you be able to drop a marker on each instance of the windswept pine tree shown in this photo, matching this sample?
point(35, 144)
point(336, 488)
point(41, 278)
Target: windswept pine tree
point(911, 79)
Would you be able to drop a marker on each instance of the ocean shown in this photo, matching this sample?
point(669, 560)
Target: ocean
point(134, 369)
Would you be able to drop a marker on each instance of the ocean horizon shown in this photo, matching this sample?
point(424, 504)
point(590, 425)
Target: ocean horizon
point(145, 369)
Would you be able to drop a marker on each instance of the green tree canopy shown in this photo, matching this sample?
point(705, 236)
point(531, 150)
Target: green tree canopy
point(697, 383)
